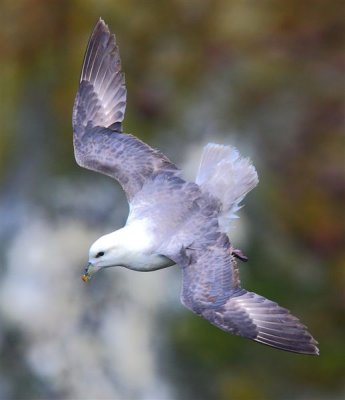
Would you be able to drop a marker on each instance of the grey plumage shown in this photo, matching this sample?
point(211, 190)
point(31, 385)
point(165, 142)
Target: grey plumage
point(188, 220)
point(98, 112)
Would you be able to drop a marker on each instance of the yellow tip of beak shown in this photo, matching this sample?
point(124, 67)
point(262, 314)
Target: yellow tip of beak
point(85, 278)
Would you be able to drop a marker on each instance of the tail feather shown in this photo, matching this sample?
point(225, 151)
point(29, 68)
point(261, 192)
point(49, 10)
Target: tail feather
point(227, 176)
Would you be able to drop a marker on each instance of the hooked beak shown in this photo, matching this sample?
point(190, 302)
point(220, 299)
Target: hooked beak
point(89, 271)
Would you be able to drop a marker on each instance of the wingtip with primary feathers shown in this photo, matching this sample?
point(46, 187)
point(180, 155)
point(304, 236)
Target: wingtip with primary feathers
point(264, 321)
point(101, 74)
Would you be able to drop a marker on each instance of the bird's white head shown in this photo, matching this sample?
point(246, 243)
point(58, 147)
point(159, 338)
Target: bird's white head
point(105, 252)
point(130, 247)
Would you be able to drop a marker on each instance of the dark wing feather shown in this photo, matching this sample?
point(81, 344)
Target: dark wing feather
point(98, 113)
point(211, 289)
point(102, 70)
point(209, 273)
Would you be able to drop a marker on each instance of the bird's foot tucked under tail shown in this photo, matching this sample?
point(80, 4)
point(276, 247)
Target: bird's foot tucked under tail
point(255, 317)
point(239, 254)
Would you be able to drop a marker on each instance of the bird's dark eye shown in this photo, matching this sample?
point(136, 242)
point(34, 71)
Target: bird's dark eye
point(100, 254)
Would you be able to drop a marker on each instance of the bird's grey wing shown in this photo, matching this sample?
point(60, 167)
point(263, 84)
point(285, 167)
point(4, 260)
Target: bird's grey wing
point(211, 289)
point(98, 113)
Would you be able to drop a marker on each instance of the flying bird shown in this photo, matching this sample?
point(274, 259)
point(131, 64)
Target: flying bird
point(172, 220)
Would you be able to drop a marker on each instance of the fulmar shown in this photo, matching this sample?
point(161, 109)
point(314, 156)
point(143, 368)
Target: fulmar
point(172, 220)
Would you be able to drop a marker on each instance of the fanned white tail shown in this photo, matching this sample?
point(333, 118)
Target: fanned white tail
point(227, 176)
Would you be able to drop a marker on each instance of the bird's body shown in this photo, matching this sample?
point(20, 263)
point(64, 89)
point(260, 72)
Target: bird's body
point(171, 220)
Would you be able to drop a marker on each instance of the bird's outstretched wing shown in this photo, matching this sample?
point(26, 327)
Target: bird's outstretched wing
point(211, 289)
point(98, 113)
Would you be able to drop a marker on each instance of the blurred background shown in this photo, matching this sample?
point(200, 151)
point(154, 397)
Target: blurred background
point(264, 76)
